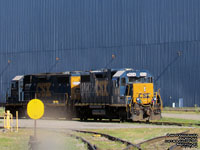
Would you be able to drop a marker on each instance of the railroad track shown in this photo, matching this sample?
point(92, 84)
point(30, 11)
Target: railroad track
point(160, 138)
point(154, 140)
point(169, 123)
point(112, 138)
point(137, 146)
point(175, 147)
point(127, 143)
point(89, 145)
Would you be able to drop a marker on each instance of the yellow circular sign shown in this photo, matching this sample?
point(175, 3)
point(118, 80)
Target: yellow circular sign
point(35, 109)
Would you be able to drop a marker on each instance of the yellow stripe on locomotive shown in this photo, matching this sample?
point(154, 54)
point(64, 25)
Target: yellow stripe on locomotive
point(75, 87)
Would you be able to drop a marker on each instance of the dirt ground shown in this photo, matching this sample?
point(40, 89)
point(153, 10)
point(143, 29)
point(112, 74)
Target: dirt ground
point(52, 132)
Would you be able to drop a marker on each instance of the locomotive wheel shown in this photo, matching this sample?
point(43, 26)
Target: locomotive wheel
point(21, 112)
point(68, 114)
point(155, 116)
point(155, 113)
point(136, 113)
point(121, 119)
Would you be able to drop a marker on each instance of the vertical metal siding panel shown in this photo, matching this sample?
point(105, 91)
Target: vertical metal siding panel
point(84, 35)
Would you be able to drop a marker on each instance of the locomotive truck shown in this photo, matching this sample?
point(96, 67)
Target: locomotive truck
point(106, 93)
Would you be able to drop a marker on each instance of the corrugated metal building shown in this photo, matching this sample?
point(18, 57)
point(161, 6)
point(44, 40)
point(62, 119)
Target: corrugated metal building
point(58, 35)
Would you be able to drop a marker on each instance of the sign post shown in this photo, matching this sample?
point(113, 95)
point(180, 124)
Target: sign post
point(35, 110)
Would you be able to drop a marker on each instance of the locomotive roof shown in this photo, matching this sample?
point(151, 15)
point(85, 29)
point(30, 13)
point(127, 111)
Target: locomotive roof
point(17, 78)
point(132, 73)
point(118, 73)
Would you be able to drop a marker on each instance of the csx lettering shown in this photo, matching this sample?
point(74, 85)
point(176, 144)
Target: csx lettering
point(144, 95)
point(101, 88)
point(43, 90)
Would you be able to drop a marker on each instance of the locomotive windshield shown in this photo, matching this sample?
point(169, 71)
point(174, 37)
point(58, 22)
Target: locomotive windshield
point(140, 79)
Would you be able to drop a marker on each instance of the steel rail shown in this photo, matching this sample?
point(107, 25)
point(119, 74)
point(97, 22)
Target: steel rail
point(89, 145)
point(112, 138)
point(176, 147)
point(155, 139)
point(160, 138)
point(169, 123)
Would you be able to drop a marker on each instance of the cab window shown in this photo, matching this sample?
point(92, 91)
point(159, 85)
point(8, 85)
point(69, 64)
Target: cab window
point(123, 81)
point(14, 85)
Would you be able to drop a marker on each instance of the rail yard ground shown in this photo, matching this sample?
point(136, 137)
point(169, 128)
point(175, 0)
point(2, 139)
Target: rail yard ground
point(53, 139)
point(54, 134)
point(49, 140)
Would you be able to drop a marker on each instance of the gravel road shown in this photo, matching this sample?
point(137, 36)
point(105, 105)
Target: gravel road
point(64, 124)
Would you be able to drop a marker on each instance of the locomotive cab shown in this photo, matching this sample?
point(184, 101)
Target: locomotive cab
point(144, 102)
point(136, 89)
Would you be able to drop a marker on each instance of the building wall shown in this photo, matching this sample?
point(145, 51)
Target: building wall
point(159, 35)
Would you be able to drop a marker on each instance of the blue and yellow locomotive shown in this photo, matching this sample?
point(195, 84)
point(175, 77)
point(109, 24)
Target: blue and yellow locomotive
point(124, 94)
point(107, 93)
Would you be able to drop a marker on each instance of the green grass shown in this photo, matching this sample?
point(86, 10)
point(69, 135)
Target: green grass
point(19, 141)
point(2, 111)
point(192, 108)
point(102, 142)
point(14, 141)
point(135, 136)
point(178, 120)
point(197, 109)
point(180, 112)
point(73, 144)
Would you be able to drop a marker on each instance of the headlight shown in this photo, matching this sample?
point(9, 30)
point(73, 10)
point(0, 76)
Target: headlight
point(138, 100)
point(153, 100)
